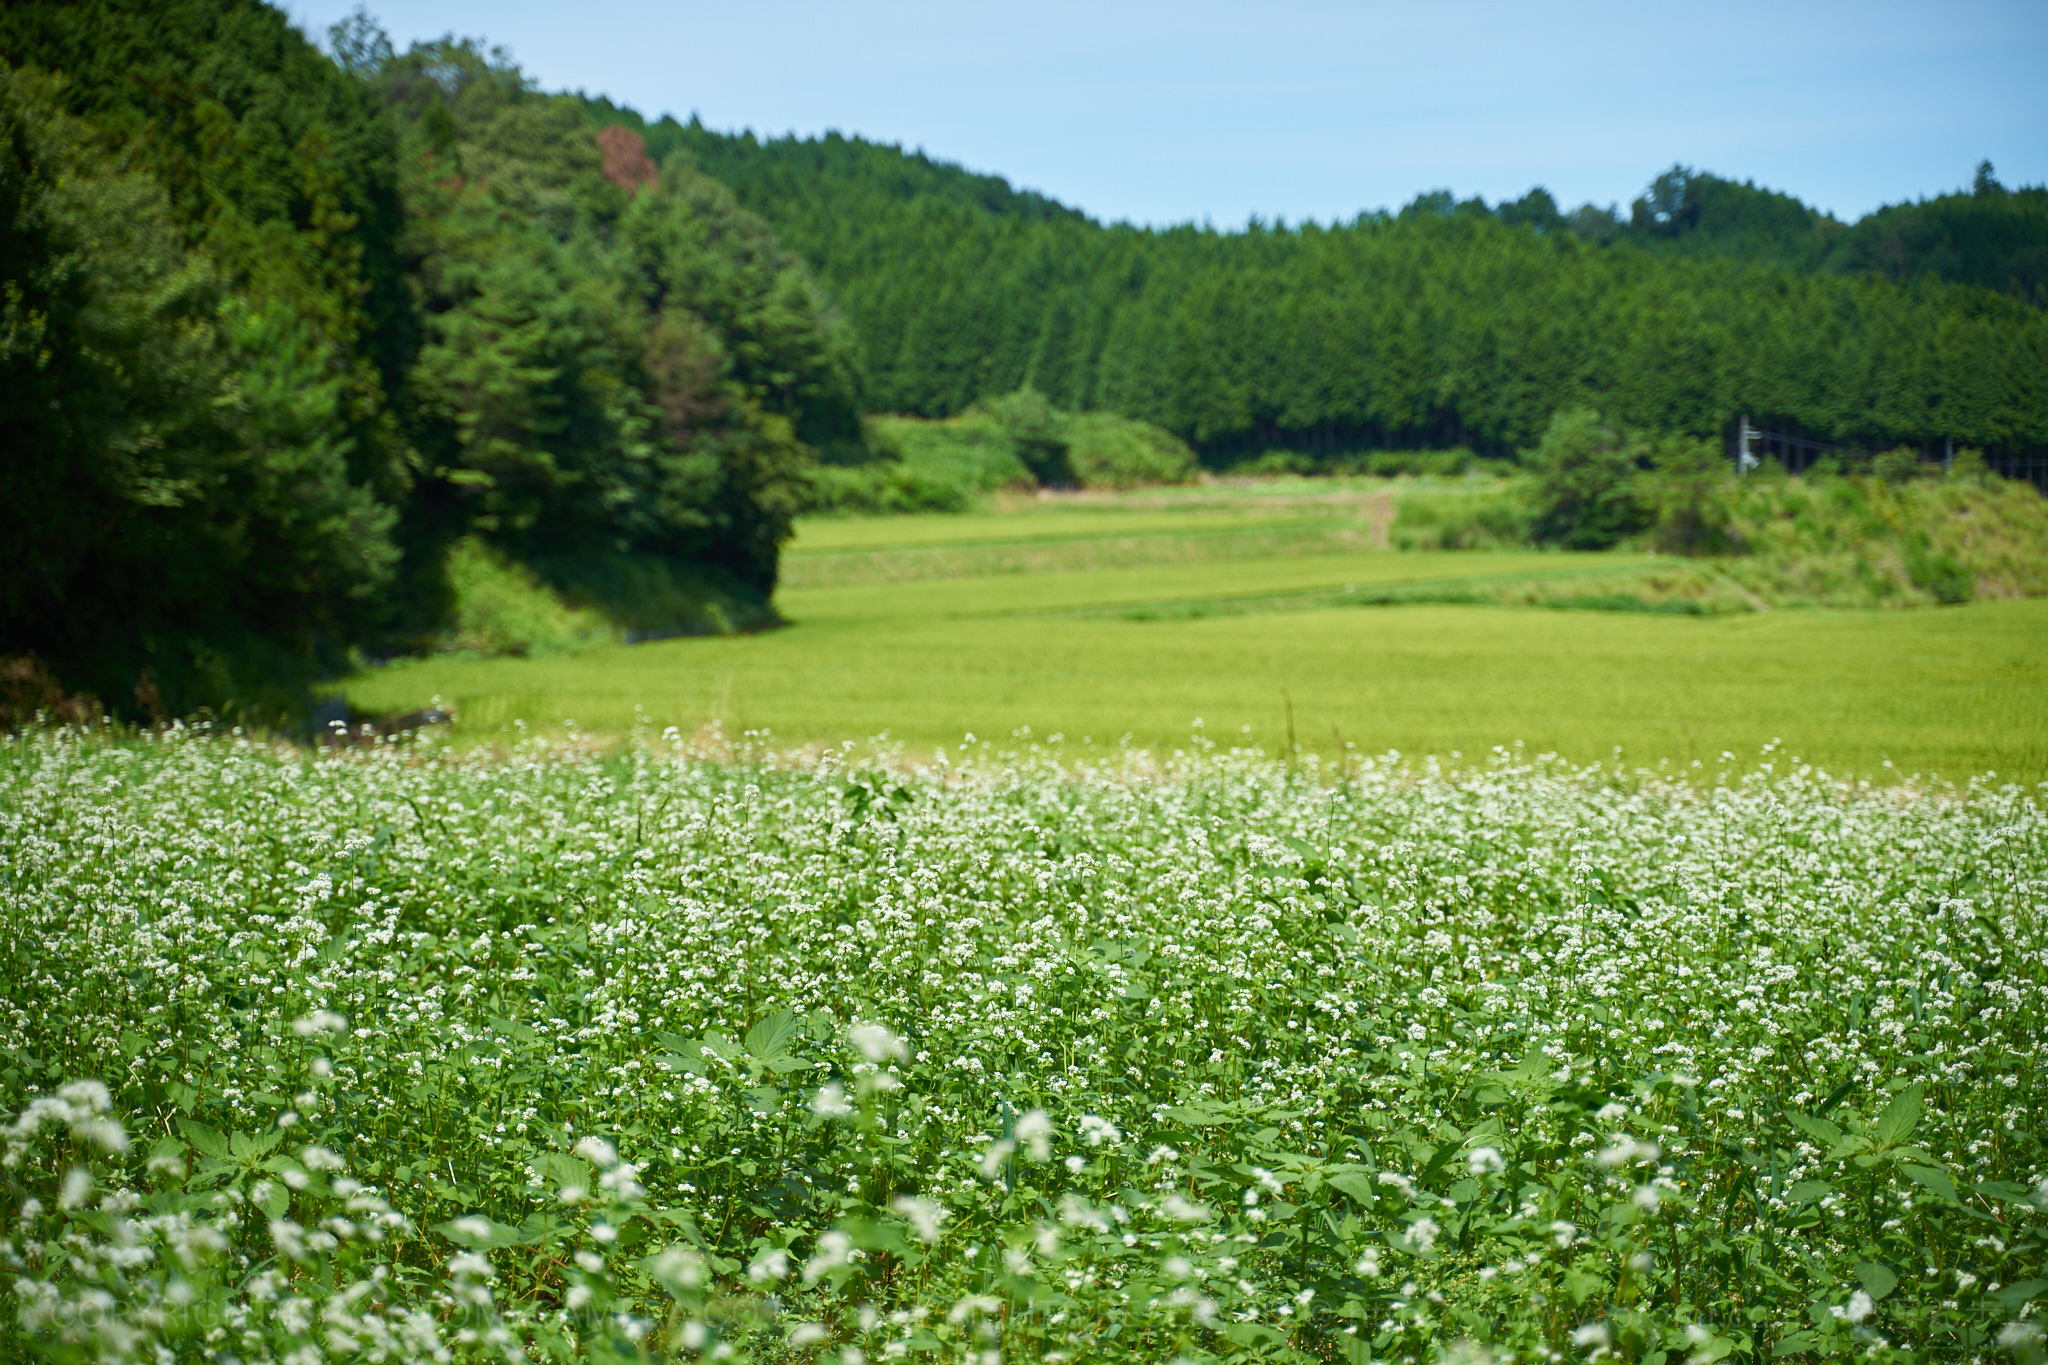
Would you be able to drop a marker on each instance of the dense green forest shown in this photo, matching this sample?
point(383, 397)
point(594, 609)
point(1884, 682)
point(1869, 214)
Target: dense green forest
point(281, 329)
point(1446, 323)
point(1990, 237)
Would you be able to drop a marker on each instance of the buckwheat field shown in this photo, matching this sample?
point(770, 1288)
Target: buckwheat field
point(1026, 1053)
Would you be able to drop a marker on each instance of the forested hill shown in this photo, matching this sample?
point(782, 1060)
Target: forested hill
point(1447, 322)
point(1989, 236)
point(788, 168)
point(280, 330)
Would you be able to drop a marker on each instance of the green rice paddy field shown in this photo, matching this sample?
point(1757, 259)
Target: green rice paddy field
point(1140, 617)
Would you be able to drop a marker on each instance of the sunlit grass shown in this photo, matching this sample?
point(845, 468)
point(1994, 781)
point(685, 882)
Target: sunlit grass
point(1129, 616)
point(1955, 692)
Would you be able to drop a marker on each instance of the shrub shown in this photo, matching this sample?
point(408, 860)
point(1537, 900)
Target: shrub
point(1691, 493)
point(1487, 517)
point(1037, 434)
point(1898, 466)
point(1108, 451)
point(1585, 492)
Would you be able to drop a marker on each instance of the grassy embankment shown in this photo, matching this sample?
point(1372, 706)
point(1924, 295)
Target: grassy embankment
point(1109, 616)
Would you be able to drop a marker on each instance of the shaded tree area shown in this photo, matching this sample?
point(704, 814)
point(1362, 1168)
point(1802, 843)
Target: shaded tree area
point(206, 318)
point(278, 330)
point(623, 377)
point(1450, 322)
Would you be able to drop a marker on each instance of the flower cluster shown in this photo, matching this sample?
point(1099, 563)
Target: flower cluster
point(405, 1054)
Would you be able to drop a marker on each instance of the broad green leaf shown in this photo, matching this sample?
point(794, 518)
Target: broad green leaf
point(1449, 1149)
point(772, 1037)
point(1796, 1344)
point(478, 1232)
point(209, 1141)
point(1254, 1334)
point(1877, 1280)
point(1936, 1180)
point(2014, 1296)
point(1848, 1147)
point(1899, 1117)
point(1195, 1115)
point(1582, 1284)
point(167, 1150)
point(243, 1147)
point(1363, 1188)
point(547, 1226)
point(872, 1235)
point(2010, 1191)
point(1806, 1191)
point(1712, 1350)
point(561, 1170)
point(1819, 1129)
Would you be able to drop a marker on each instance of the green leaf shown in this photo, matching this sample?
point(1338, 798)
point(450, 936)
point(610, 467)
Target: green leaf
point(545, 1227)
point(677, 1062)
point(1712, 1350)
point(243, 1147)
point(209, 1141)
point(561, 1170)
point(1362, 1188)
point(1819, 1129)
point(772, 1037)
point(1899, 1117)
point(1936, 1180)
point(871, 1235)
point(1877, 1280)
point(1195, 1115)
point(2014, 1296)
point(1582, 1285)
point(2012, 1192)
point(479, 1232)
point(1254, 1334)
point(1443, 1155)
point(167, 1149)
point(1796, 1344)
point(1806, 1191)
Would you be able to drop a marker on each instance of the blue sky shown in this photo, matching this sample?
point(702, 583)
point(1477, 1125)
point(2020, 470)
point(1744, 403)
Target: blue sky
point(1194, 110)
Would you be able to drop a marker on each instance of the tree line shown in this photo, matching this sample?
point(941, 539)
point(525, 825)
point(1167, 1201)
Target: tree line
point(1449, 322)
point(279, 329)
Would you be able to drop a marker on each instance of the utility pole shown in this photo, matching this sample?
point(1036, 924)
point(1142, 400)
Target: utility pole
point(1745, 460)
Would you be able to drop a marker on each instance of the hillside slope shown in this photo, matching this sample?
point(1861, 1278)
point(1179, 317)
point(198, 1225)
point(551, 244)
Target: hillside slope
point(1447, 323)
